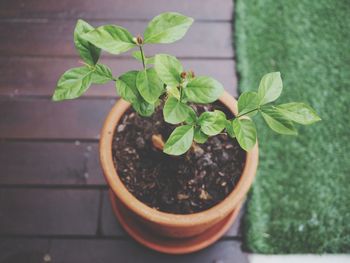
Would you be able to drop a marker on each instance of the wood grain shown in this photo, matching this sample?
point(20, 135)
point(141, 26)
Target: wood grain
point(28, 250)
point(123, 251)
point(53, 197)
point(37, 76)
point(111, 9)
point(48, 211)
point(33, 250)
point(25, 118)
point(44, 119)
point(50, 164)
point(55, 38)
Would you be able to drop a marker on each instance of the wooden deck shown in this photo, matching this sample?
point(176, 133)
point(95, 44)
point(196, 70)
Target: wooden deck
point(53, 197)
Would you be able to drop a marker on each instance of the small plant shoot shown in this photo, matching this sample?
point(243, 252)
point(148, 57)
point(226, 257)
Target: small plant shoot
point(163, 78)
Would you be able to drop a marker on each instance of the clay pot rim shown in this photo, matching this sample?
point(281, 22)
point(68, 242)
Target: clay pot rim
point(163, 218)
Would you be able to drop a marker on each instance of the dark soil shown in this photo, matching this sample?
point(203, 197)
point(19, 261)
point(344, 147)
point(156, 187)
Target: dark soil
point(183, 184)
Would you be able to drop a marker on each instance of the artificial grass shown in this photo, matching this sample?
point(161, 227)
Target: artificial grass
point(300, 202)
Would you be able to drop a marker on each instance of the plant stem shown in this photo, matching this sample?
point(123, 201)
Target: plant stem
point(87, 65)
point(240, 115)
point(180, 92)
point(93, 68)
point(142, 57)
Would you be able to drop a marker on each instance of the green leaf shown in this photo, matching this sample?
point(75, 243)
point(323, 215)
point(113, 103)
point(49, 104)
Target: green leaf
point(212, 122)
point(245, 132)
point(180, 140)
point(143, 108)
point(137, 55)
point(199, 136)
point(298, 112)
point(277, 122)
point(102, 74)
point(87, 51)
point(126, 87)
point(111, 38)
point(247, 102)
point(175, 111)
point(270, 87)
point(73, 83)
point(229, 129)
point(167, 28)
point(149, 85)
point(203, 90)
point(150, 60)
point(168, 69)
point(192, 116)
point(173, 91)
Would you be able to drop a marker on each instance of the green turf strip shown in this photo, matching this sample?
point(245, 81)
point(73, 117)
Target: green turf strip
point(300, 202)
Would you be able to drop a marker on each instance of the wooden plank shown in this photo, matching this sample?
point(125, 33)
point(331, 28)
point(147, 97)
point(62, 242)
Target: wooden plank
point(111, 9)
point(108, 250)
point(204, 39)
point(95, 251)
point(24, 118)
point(62, 163)
point(50, 163)
point(38, 75)
point(38, 119)
point(110, 226)
point(48, 211)
point(235, 230)
point(13, 250)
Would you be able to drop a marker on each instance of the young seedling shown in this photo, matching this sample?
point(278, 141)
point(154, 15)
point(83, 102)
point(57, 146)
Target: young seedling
point(162, 77)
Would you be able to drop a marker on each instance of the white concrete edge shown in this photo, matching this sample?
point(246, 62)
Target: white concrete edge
point(326, 258)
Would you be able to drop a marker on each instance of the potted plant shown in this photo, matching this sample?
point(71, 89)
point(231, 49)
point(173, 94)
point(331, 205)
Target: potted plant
point(178, 152)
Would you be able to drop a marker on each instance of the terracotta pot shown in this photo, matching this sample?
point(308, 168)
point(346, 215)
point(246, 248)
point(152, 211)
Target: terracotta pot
point(167, 224)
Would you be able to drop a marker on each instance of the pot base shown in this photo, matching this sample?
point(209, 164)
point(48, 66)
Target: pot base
point(170, 245)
